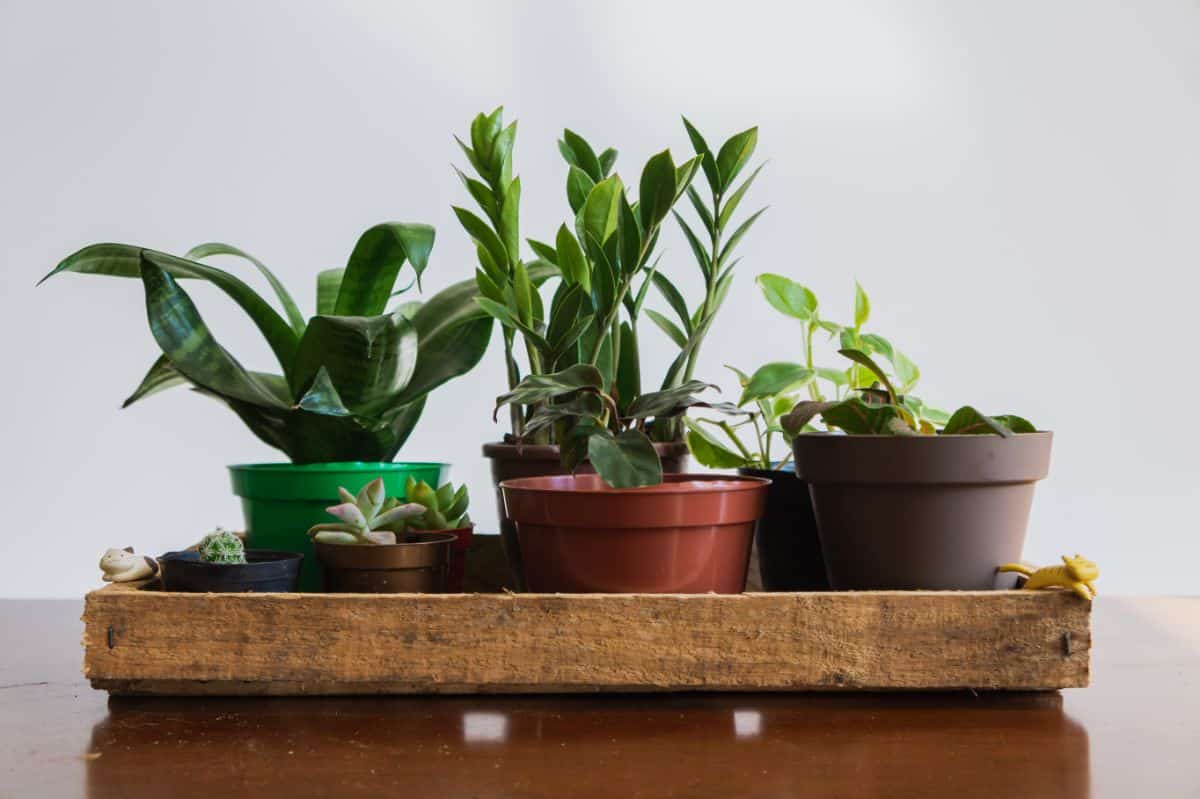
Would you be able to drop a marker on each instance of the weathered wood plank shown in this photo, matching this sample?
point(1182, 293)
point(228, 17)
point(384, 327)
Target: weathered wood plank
point(496, 643)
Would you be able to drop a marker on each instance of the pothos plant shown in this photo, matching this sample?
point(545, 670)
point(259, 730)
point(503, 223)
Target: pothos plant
point(884, 411)
point(774, 389)
point(353, 378)
point(605, 263)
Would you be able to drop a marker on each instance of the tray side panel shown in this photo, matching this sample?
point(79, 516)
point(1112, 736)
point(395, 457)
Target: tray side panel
point(153, 642)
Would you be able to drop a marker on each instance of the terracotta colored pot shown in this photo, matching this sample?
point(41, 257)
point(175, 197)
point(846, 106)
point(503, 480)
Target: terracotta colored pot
point(458, 563)
point(921, 512)
point(689, 535)
point(421, 565)
point(789, 548)
point(511, 461)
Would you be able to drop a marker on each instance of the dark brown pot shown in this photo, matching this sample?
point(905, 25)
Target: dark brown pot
point(789, 548)
point(419, 565)
point(511, 461)
point(689, 535)
point(921, 512)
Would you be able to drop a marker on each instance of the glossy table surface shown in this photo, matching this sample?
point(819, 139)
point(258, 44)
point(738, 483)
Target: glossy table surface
point(1135, 732)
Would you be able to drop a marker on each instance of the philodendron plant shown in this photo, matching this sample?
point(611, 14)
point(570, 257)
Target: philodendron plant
point(354, 378)
point(885, 411)
point(774, 389)
point(369, 518)
point(593, 426)
point(605, 263)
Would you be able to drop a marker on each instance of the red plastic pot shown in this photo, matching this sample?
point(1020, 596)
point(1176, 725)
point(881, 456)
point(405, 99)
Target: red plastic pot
point(458, 563)
point(689, 535)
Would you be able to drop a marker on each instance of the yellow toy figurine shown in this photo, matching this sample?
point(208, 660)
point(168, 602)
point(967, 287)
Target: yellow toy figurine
point(1077, 573)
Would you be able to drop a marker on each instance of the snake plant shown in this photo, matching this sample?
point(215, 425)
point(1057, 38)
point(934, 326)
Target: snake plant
point(354, 377)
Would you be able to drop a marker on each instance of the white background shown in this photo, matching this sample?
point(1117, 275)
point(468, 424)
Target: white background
point(1015, 184)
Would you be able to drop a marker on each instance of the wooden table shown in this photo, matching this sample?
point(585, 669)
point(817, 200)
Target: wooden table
point(1134, 733)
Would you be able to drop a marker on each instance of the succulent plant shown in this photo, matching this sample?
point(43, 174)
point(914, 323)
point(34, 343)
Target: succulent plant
point(221, 546)
point(368, 518)
point(445, 508)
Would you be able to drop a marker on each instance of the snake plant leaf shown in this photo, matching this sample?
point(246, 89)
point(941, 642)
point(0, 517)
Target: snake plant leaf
point(376, 261)
point(322, 397)
point(775, 378)
point(368, 358)
point(453, 334)
point(967, 421)
point(161, 376)
point(734, 154)
point(707, 162)
point(656, 189)
point(191, 348)
point(125, 260)
point(295, 318)
point(538, 387)
point(627, 460)
point(735, 199)
point(329, 283)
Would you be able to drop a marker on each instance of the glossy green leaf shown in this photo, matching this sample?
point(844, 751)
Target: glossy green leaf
point(579, 153)
point(483, 236)
point(860, 357)
point(734, 154)
point(607, 159)
point(586, 405)
point(579, 185)
point(674, 401)
point(775, 378)
point(667, 326)
point(708, 161)
point(788, 296)
point(862, 306)
point(322, 397)
point(544, 251)
point(1016, 424)
point(734, 200)
point(537, 388)
point(510, 234)
point(161, 376)
point(906, 371)
point(601, 209)
point(656, 189)
point(329, 283)
point(629, 239)
point(708, 452)
point(702, 210)
point(627, 460)
point(368, 358)
point(674, 298)
point(967, 421)
point(629, 369)
point(571, 259)
point(737, 236)
point(295, 318)
point(702, 256)
point(483, 196)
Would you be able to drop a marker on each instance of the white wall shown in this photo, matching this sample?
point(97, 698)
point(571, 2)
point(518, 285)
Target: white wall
point(1016, 184)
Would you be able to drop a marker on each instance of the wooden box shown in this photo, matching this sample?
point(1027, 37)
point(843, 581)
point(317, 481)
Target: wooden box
point(151, 642)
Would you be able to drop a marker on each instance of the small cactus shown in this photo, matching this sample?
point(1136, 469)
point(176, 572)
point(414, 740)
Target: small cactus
point(445, 508)
point(221, 546)
point(368, 518)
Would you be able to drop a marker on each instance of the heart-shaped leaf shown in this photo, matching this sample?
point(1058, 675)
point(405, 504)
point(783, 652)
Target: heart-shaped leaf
point(627, 460)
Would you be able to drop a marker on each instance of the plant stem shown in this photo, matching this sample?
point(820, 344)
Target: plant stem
point(710, 283)
point(514, 377)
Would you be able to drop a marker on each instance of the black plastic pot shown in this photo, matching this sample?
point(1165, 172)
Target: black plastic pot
point(789, 547)
point(265, 571)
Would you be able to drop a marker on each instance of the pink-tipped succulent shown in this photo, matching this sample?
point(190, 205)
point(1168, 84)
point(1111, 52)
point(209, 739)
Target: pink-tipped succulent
point(369, 518)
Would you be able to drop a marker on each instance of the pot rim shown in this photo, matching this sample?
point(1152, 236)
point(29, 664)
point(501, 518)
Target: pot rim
point(333, 467)
point(829, 436)
point(500, 450)
point(430, 538)
point(268, 557)
point(721, 483)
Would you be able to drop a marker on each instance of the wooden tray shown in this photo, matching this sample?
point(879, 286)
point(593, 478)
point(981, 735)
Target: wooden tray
point(150, 642)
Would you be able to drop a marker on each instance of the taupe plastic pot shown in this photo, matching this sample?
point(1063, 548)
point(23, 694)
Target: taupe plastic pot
point(511, 461)
point(921, 512)
point(689, 535)
point(789, 548)
point(420, 564)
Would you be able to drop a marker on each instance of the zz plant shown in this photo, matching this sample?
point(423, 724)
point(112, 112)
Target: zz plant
point(352, 379)
point(605, 264)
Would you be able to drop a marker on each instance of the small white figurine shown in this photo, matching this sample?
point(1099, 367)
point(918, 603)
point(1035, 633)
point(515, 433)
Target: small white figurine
point(122, 566)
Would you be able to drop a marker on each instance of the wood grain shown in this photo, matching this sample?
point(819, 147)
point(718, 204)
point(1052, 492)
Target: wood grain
point(293, 644)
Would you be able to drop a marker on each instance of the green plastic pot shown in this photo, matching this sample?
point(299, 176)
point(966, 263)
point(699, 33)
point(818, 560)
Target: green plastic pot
point(280, 501)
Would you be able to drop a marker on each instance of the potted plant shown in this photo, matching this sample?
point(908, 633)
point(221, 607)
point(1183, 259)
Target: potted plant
point(371, 550)
point(221, 564)
point(604, 263)
point(627, 528)
point(352, 379)
point(901, 504)
point(445, 512)
point(789, 548)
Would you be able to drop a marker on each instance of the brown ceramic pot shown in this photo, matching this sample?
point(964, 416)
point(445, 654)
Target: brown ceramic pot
point(511, 461)
point(689, 535)
point(921, 512)
point(789, 549)
point(419, 565)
